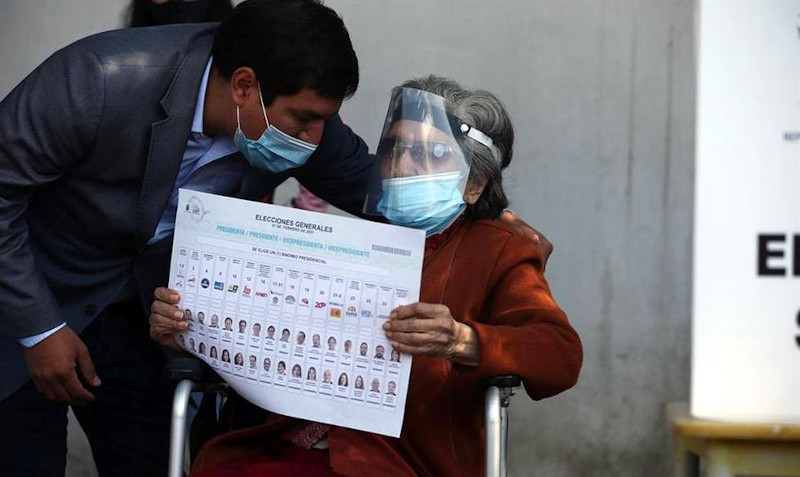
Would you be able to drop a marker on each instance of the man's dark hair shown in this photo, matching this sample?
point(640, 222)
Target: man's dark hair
point(290, 44)
point(143, 13)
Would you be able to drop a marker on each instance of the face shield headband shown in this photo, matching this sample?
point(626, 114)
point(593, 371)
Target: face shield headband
point(422, 106)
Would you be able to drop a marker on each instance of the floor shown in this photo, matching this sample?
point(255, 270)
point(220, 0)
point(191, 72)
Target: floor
point(79, 456)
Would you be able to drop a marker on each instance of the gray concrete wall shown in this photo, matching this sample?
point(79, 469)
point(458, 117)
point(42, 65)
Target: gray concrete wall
point(31, 30)
point(602, 95)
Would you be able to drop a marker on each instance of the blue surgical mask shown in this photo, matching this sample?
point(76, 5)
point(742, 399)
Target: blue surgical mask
point(428, 202)
point(275, 150)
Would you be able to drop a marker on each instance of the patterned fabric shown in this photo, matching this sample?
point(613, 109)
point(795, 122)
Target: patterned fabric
point(284, 460)
point(307, 434)
point(307, 201)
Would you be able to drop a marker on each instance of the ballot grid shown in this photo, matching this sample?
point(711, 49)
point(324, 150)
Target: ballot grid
point(289, 329)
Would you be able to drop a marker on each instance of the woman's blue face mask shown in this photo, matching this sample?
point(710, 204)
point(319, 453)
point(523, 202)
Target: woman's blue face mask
point(428, 202)
point(274, 150)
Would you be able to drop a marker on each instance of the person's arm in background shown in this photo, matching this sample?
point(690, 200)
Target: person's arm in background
point(47, 123)
point(305, 200)
point(341, 169)
point(542, 244)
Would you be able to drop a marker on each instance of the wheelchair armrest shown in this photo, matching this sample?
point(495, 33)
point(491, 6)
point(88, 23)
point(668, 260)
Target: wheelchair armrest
point(505, 381)
point(189, 368)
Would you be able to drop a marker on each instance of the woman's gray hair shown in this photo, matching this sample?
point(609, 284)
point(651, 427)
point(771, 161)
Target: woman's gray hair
point(483, 111)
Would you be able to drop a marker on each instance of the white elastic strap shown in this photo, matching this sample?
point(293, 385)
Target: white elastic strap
point(480, 137)
point(263, 109)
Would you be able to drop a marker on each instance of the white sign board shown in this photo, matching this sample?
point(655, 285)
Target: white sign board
point(288, 306)
point(746, 298)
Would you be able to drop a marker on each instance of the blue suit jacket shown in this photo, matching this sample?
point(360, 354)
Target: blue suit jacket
point(90, 146)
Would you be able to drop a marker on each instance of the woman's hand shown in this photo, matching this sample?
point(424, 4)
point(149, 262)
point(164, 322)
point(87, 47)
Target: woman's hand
point(166, 319)
point(430, 330)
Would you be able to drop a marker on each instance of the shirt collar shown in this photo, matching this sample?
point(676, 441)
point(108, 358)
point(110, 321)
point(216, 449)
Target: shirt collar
point(199, 106)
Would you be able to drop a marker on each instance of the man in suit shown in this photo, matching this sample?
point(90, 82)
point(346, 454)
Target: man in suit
point(94, 145)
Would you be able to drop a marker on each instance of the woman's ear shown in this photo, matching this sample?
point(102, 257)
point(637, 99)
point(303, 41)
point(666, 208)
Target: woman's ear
point(473, 192)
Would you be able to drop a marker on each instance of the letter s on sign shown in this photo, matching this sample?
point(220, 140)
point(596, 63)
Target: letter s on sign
point(797, 338)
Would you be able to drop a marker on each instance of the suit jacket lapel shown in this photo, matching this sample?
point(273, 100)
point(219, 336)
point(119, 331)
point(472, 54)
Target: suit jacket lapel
point(168, 140)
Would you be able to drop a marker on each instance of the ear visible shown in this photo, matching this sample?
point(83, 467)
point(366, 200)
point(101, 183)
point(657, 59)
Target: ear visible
point(243, 85)
point(473, 192)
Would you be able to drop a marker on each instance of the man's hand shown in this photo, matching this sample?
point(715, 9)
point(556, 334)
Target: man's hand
point(52, 366)
point(430, 330)
point(544, 245)
point(166, 319)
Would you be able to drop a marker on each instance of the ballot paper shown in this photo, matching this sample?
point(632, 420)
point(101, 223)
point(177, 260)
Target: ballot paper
point(288, 305)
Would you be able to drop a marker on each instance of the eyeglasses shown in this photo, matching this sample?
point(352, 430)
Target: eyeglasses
point(420, 151)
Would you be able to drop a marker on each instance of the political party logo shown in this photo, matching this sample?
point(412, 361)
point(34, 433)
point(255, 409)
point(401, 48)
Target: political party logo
point(351, 311)
point(219, 286)
point(179, 284)
point(366, 313)
point(204, 283)
point(336, 312)
point(320, 304)
point(233, 288)
point(275, 300)
point(304, 301)
point(289, 299)
point(246, 291)
point(192, 281)
point(262, 294)
point(194, 208)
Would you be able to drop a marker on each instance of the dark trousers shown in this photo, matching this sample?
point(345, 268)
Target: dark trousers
point(127, 424)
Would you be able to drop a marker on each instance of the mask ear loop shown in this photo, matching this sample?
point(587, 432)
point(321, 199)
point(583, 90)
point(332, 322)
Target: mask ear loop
point(263, 109)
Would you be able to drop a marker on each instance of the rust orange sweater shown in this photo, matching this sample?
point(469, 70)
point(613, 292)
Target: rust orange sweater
point(489, 274)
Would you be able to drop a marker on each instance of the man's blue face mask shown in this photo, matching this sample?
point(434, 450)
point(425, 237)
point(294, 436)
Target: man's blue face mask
point(275, 150)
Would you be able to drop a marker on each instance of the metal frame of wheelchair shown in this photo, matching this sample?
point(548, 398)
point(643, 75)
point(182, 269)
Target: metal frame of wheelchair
point(190, 373)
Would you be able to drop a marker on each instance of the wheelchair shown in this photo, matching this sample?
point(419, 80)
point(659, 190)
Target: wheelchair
point(193, 375)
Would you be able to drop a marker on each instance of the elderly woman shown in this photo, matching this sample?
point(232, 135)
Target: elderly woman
point(485, 308)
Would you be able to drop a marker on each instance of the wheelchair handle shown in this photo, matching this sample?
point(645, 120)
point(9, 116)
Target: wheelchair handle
point(189, 368)
point(505, 381)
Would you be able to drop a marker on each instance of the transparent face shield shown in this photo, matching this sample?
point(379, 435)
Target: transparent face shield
point(422, 168)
